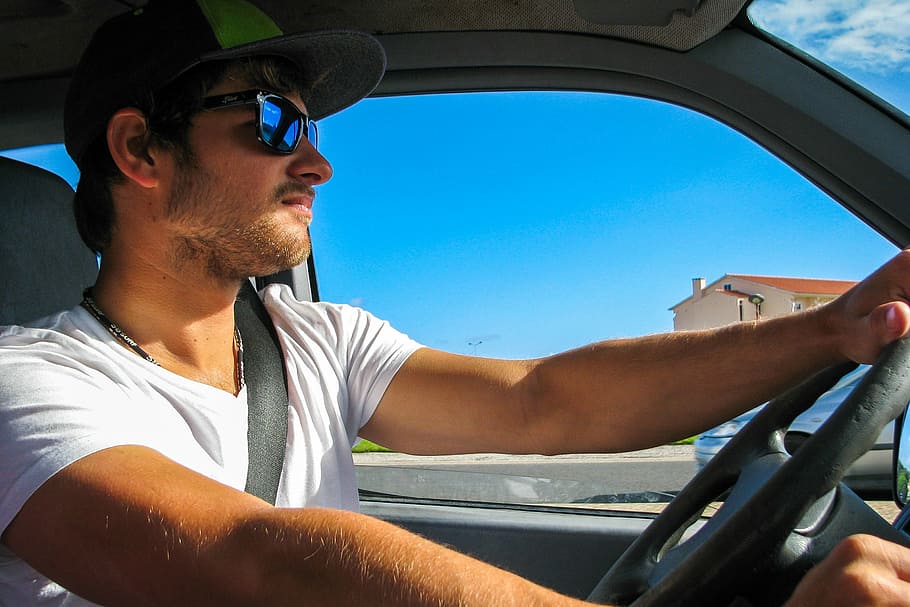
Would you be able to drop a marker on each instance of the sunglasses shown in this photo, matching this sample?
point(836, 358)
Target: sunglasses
point(279, 123)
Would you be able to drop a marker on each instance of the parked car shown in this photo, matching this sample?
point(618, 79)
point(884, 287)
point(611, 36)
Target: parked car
point(870, 475)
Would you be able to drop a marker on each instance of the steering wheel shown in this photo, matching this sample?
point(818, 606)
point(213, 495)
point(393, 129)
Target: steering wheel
point(783, 514)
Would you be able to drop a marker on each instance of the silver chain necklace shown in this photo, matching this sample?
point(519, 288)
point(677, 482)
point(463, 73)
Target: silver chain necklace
point(89, 304)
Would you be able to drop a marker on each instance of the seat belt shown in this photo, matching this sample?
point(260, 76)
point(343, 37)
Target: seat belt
point(267, 394)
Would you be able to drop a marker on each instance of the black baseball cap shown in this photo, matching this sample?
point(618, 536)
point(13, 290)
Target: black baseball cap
point(148, 47)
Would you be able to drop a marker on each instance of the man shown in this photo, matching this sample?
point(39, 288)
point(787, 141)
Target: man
point(123, 420)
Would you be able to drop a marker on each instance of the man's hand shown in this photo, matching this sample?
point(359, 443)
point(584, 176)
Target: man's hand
point(873, 313)
point(862, 571)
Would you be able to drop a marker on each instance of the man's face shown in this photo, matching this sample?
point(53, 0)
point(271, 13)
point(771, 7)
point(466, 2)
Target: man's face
point(237, 208)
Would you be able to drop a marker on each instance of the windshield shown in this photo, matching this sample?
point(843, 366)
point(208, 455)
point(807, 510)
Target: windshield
point(497, 241)
point(866, 40)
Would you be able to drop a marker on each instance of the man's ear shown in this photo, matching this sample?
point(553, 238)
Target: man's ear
point(128, 140)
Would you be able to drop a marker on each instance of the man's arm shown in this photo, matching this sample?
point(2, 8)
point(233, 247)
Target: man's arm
point(596, 398)
point(127, 526)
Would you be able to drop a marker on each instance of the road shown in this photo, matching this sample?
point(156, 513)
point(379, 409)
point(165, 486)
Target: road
point(641, 476)
point(648, 477)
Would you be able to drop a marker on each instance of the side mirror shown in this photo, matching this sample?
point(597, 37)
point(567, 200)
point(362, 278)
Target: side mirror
point(902, 459)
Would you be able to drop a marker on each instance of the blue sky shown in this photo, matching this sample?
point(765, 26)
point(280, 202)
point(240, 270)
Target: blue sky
point(543, 222)
point(533, 240)
point(869, 40)
point(533, 223)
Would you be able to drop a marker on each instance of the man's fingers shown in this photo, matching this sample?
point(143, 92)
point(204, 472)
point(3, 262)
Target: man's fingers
point(895, 321)
point(883, 325)
point(876, 572)
point(875, 551)
point(861, 571)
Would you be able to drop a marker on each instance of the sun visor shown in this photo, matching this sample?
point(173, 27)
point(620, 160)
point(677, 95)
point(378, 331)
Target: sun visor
point(634, 12)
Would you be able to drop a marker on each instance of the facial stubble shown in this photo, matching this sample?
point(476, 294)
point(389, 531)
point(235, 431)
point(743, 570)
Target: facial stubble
point(230, 239)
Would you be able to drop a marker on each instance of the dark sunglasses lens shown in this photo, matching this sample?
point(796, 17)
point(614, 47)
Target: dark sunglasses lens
point(280, 124)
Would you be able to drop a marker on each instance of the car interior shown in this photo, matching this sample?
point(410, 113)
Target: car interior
point(704, 55)
point(39, 278)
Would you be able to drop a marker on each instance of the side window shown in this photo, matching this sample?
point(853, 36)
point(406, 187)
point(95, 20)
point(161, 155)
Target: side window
point(51, 157)
point(522, 224)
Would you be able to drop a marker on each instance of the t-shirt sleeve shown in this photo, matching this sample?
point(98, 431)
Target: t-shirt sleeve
point(54, 410)
point(376, 351)
point(351, 353)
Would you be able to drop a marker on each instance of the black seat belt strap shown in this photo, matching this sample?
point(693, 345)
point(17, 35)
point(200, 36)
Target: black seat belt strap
point(267, 394)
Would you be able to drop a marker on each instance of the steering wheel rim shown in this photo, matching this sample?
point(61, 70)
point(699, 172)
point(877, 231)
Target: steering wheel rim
point(751, 535)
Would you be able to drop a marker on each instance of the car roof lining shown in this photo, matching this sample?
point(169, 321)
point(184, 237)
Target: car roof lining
point(48, 36)
point(685, 30)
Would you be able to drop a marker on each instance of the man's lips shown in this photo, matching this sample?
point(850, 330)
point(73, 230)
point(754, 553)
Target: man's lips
point(301, 204)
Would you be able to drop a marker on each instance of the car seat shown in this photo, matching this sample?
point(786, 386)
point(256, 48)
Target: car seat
point(44, 266)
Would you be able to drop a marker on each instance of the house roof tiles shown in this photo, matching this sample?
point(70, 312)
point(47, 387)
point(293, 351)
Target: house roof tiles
point(815, 286)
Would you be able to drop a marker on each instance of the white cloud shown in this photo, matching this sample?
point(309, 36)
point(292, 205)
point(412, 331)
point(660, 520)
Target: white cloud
point(870, 35)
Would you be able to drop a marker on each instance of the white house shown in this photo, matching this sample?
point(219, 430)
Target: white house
point(741, 297)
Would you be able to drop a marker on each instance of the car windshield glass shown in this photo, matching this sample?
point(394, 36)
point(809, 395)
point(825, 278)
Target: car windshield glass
point(478, 227)
point(866, 40)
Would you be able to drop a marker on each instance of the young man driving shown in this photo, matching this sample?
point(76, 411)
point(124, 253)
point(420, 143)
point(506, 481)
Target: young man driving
point(124, 442)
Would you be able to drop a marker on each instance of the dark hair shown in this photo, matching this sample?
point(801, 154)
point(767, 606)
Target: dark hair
point(169, 112)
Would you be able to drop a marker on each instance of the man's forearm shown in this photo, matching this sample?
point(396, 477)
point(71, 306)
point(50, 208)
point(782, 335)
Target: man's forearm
point(150, 532)
point(616, 395)
point(321, 557)
point(628, 394)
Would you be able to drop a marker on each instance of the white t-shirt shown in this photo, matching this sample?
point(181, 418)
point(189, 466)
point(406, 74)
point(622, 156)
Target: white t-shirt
point(69, 389)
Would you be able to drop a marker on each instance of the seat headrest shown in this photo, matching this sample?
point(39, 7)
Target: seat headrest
point(44, 266)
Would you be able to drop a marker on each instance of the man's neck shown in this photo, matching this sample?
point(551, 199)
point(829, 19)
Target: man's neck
point(186, 323)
